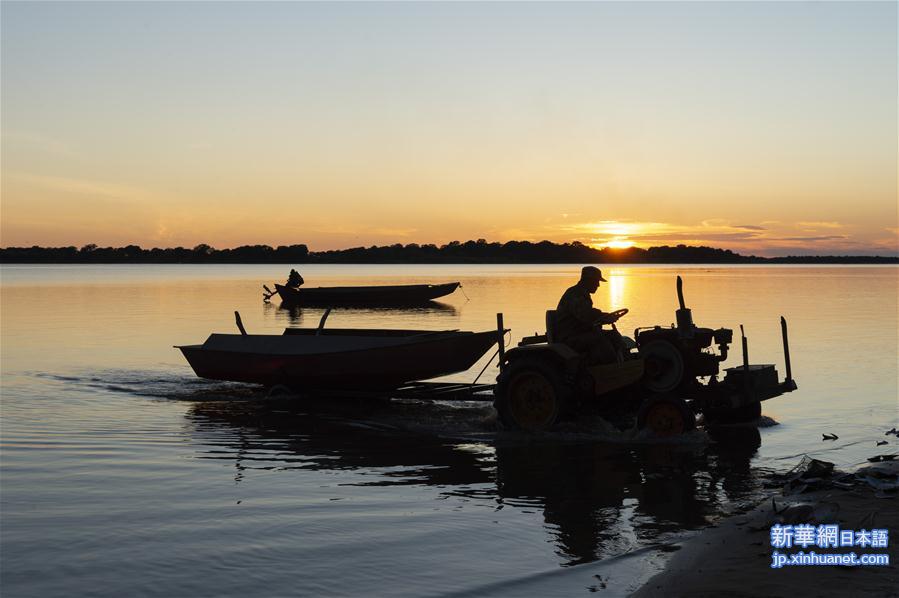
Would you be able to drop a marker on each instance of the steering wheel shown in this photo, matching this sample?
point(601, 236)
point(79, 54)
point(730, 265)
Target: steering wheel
point(613, 317)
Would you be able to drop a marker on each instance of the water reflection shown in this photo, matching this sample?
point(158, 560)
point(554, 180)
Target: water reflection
point(597, 499)
point(310, 316)
point(618, 291)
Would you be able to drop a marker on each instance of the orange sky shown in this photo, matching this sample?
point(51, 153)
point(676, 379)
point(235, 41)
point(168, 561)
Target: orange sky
point(759, 127)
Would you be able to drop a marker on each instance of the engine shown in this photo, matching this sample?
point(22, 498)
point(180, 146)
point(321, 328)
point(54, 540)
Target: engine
point(676, 356)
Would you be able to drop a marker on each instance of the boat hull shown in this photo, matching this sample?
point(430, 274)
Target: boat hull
point(415, 294)
point(376, 368)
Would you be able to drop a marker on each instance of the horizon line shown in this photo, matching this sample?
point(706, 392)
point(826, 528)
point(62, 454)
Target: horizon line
point(83, 250)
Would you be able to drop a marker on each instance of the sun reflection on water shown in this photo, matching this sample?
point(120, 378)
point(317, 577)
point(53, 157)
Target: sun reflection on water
point(617, 289)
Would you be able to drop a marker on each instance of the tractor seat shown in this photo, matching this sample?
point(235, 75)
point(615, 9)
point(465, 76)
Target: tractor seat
point(550, 325)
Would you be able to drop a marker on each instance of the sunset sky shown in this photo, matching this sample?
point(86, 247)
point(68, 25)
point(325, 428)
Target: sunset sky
point(766, 128)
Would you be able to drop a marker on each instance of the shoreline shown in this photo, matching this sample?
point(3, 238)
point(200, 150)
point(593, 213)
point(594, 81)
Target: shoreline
point(875, 260)
point(735, 557)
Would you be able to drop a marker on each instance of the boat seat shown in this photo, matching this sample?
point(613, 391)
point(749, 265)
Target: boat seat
point(550, 325)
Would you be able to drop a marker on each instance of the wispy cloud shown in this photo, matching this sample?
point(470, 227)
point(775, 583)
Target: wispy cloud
point(697, 235)
point(393, 232)
point(809, 239)
point(659, 232)
point(766, 238)
point(96, 189)
point(817, 225)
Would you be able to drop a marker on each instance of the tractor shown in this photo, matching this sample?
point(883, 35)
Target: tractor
point(666, 377)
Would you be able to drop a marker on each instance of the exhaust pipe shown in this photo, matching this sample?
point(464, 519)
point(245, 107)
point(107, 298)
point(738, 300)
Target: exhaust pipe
point(745, 350)
point(501, 340)
point(683, 315)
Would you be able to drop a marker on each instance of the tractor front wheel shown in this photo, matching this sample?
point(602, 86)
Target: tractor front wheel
point(278, 392)
point(664, 366)
point(664, 416)
point(531, 395)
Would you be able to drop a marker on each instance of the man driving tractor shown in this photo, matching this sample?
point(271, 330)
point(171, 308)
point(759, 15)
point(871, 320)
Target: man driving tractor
point(579, 325)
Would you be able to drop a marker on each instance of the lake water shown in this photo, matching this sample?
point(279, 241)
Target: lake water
point(124, 474)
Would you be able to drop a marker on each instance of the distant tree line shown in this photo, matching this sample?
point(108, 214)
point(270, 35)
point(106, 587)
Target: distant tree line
point(473, 252)
point(133, 254)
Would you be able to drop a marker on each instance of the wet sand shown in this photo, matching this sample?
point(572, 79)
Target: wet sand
point(734, 558)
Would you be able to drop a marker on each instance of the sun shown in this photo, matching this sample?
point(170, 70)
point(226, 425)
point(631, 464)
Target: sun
point(612, 234)
point(618, 243)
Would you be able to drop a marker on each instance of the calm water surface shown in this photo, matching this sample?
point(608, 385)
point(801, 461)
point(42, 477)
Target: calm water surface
point(124, 474)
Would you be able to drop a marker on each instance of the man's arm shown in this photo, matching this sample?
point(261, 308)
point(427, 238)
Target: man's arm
point(582, 309)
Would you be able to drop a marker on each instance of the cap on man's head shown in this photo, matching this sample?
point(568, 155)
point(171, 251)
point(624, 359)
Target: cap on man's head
point(592, 273)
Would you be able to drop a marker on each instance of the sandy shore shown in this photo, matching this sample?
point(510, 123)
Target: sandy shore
point(734, 558)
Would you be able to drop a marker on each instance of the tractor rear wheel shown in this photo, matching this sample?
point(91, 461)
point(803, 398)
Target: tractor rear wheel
point(531, 395)
point(665, 416)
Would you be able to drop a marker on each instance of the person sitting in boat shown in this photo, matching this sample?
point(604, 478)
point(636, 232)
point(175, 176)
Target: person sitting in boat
point(579, 325)
point(294, 280)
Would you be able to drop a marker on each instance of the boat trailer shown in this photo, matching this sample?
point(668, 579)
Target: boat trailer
point(419, 391)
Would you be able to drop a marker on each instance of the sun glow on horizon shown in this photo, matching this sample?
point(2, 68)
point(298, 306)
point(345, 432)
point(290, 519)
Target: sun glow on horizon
point(618, 243)
point(612, 234)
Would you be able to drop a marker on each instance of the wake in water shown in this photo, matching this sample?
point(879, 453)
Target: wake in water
point(155, 384)
point(462, 420)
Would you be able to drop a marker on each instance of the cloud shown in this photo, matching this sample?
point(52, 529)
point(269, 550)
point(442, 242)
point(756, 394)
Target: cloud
point(393, 232)
point(96, 189)
point(766, 238)
point(661, 232)
point(809, 239)
point(696, 235)
point(815, 225)
point(162, 231)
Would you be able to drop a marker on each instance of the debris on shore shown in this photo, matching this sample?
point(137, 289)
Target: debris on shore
point(814, 493)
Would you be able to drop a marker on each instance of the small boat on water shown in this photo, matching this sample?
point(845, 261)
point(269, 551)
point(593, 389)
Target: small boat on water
point(409, 294)
point(338, 359)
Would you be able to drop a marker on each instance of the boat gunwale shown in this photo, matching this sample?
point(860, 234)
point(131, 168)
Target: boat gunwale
point(414, 294)
point(467, 334)
point(378, 287)
point(369, 288)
